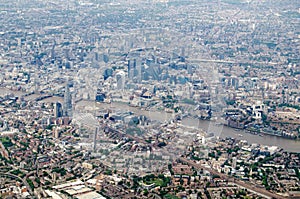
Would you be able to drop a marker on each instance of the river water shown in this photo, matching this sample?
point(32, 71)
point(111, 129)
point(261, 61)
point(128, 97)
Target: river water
point(208, 126)
point(286, 144)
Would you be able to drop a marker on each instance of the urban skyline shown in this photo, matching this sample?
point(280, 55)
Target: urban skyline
point(149, 99)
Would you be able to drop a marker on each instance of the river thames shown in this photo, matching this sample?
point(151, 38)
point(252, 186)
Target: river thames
point(208, 126)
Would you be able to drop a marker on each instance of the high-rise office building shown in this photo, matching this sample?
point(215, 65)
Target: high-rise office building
point(67, 111)
point(190, 69)
point(58, 110)
point(120, 77)
point(53, 51)
point(95, 140)
point(138, 70)
point(234, 162)
point(129, 69)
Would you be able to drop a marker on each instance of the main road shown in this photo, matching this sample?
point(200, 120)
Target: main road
point(22, 180)
point(232, 179)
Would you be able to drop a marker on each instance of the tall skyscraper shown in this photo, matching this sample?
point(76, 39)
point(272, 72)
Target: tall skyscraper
point(53, 51)
point(129, 69)
point(58, 110)
point(95, 139)
point(190, 69)
point(234, 162)
point(67, 112)
point(120, 77)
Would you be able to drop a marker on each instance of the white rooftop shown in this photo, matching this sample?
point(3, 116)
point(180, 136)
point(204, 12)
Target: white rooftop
point(90, 195)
